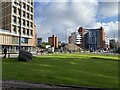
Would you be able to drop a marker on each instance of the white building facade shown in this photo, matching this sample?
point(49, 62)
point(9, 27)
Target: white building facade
point(107, 43)
point(75, 39)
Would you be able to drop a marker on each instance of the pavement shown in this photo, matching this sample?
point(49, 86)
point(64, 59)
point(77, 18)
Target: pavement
point(14, 85)
point(9, 56)
point(39, 54)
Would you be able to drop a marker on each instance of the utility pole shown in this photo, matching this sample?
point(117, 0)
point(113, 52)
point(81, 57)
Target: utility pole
point(20, 4)
point(114, 44)
point(66, 35)
point(20, 28)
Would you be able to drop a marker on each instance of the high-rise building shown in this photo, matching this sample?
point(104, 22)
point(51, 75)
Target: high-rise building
point(53, 40)
point(16, 17)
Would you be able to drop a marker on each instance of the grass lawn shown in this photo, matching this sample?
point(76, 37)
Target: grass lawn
point(68, 69)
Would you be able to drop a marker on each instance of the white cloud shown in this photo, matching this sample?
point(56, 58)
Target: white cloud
point(56, 17)
point(110, 28)
point(108, 9)
point(59, 16)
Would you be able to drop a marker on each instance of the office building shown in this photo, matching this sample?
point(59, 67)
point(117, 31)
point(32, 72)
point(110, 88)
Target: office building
point(54, 41)
point(16, 17)
point(90, 39)
point(75, 39)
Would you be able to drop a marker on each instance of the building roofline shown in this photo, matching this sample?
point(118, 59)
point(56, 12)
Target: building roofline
point(91, 28)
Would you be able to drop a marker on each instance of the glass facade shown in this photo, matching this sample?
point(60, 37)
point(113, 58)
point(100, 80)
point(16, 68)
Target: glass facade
point(91, 40)
point(24, 40)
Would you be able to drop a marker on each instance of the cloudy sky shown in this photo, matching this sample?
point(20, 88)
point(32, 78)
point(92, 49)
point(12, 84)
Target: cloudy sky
point(53, 17)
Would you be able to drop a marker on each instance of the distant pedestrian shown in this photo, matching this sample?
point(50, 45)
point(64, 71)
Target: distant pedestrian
point(5, 52)
point(41, 52)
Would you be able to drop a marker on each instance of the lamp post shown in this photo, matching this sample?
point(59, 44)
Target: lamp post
point(20, 4)
point(114, 44)
point(66, 35)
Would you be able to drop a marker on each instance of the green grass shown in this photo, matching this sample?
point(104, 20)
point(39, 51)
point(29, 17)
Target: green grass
point(68, 69)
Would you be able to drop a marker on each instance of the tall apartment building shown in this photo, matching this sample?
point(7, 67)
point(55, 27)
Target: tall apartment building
point(10, 27)
point(53, 40)
point(90, 39)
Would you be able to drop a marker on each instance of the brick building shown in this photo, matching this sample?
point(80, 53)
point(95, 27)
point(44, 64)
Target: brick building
point(53, 40)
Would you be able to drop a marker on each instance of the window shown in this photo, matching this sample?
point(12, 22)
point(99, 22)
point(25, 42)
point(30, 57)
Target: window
point(31, 9)
point(14, 28)
point(31, 32)
point(23, 30)
point(31, 17)
point(24, 14)
point(31, 2)
point(19, 11)
point(28, 15)
point(18, 29)
point(15, 9)
point(24, 40)
point(28, 23)
point(24, 5)
point(28, 1)
point(31, 24)
point(18, 20)
point(14, 19)
point(15, 1)
point(28, 8)
point(27, 31)
point(23, 22)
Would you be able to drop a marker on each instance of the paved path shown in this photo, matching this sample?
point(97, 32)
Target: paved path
point(13, 85)
point(26, 85)
point(11, 56)
point(19, 84)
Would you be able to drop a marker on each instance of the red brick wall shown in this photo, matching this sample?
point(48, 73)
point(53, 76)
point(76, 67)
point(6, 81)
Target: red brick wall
point(82, 30)
point(102, 38)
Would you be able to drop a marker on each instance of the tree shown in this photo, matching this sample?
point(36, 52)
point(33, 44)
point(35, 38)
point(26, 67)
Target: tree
point(45, 43)
point(118, 50)
point(113, 44)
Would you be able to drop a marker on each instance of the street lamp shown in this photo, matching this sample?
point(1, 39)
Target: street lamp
point(114, 44)
point(20, 4)
point(66, 35)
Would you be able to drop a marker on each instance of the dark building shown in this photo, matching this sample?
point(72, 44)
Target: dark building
point(39, 42)
point(92, 38)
